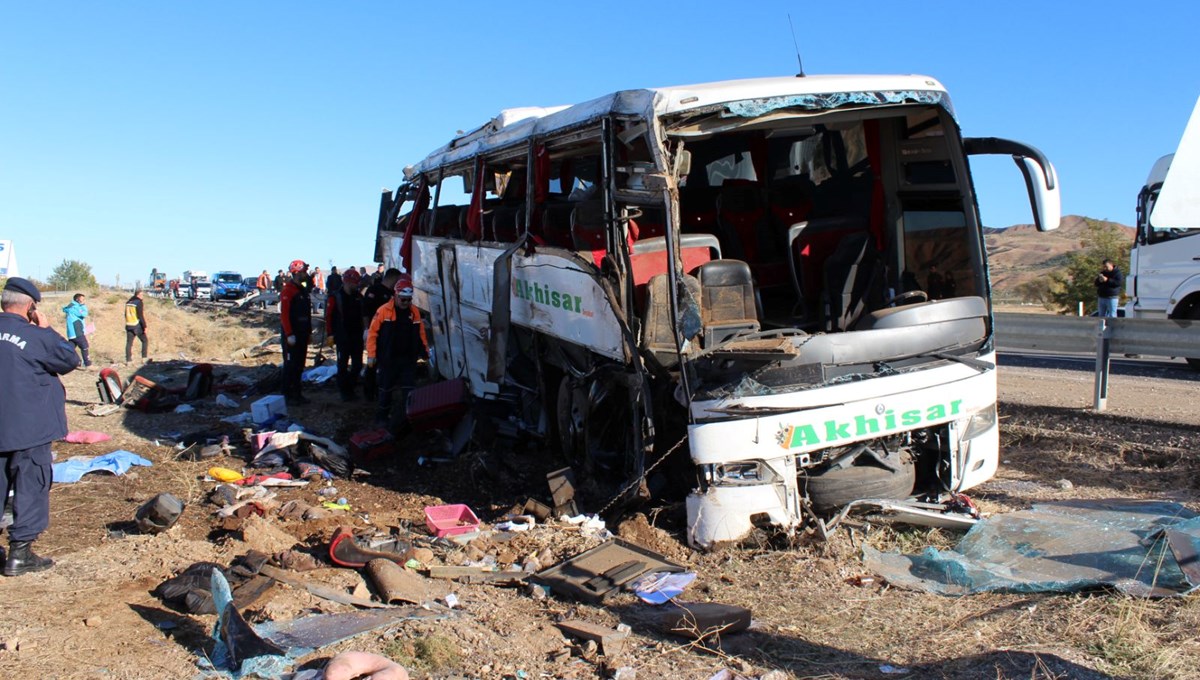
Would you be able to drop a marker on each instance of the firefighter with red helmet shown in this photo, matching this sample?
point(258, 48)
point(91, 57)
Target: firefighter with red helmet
point(295, 318)
point(395, 342)
point(344, 326)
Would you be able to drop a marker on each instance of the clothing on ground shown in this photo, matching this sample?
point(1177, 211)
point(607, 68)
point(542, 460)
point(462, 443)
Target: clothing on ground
point(117, 463)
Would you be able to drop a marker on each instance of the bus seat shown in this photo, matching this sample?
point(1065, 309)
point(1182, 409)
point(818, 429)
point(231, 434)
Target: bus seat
point(648, 258)
point(504, 222)
point(809, 248)
point(446, 223)
point(790, 200)
point(746, 231)
point(727, 300)
point(658, 337)
point(556, 224)
point(588, 229)
point(853, 276)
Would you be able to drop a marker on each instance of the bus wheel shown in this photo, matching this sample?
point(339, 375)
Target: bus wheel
point(834, 488)
point(595, 427)
point(571, 411)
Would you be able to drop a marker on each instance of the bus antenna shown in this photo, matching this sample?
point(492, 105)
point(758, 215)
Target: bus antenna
point(797, 45)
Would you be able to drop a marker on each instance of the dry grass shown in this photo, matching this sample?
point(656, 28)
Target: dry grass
point(173, 332)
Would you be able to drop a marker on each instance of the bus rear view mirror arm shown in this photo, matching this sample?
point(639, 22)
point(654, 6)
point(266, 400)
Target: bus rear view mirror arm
point(1041, 180)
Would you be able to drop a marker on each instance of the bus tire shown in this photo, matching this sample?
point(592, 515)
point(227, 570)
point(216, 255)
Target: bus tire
point(835, 487)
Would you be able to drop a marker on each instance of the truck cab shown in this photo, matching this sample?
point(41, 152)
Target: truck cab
point(1164, 264)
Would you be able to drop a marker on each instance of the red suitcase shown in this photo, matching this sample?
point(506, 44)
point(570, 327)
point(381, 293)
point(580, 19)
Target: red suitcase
point(368, 445)
point(437, 406)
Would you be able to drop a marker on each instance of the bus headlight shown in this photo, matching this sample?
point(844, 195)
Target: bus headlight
point(981, 421)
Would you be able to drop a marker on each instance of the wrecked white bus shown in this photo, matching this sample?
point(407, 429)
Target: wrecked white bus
point(783, 277)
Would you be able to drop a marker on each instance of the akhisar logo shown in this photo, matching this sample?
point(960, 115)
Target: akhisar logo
point(888, 420)
point(542, 295)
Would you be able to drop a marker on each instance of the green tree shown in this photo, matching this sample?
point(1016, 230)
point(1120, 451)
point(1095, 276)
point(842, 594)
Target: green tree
point(1076, 281)
point(72, 274)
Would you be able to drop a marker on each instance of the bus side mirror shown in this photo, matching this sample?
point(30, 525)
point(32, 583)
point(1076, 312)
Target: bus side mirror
point(1044, 195)
point(683, 164)
point(1041, 181)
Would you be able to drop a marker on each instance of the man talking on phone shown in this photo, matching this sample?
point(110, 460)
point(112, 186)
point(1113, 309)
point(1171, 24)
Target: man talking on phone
point(32, 415)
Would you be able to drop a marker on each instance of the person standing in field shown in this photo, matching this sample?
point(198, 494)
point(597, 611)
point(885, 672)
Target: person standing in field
point(395, 342)
point(295, 319)
point(1108, 289)
point(135, 325)
point(263, 283)
point(344, 326)
point(76, 312)
point(375, 296)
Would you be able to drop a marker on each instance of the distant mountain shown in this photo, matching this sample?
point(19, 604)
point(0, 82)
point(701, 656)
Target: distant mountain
point(1021, 253)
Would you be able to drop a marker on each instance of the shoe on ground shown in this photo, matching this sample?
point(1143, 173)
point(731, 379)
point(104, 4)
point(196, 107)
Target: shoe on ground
point(22, 560)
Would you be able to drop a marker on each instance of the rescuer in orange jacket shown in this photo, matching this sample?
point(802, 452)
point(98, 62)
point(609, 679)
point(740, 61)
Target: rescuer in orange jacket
point(395, 342)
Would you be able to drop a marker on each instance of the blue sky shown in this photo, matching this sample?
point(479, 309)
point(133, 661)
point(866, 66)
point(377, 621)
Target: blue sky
point(241, 135)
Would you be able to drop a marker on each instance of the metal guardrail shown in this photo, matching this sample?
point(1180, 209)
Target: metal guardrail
point(1052, 333)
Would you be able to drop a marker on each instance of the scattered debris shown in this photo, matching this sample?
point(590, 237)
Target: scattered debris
point(703, 620)
point(268, 409)
point(450, 520)
point(395, 584)
point(594, 574)
point(116, 463)
point(611, 642)
point(86, 437)
point(661, 587)
point(1061, 546)
point(158, 514)
point(100, 410)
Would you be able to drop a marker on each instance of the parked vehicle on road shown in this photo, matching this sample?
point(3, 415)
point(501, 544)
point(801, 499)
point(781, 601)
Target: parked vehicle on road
point(758, 269)
point(1164, 264)
point(196, 285)
point(157, 282)
point(227, 286)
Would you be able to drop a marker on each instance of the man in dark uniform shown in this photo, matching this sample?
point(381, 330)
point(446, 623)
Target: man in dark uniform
point(344, 326)
point(395, 342)
point(32, 415)
point(376, 296)
point(295, 317)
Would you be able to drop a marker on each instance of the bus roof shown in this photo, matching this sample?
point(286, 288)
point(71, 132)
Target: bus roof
point(753, 97)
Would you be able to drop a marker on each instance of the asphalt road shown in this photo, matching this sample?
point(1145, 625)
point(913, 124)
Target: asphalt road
point(1145, 367)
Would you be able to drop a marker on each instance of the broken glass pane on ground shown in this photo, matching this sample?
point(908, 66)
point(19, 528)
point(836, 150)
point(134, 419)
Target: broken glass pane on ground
point(1142, 548)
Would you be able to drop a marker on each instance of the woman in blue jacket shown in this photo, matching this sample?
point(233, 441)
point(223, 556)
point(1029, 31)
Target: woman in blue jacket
point(76, 312)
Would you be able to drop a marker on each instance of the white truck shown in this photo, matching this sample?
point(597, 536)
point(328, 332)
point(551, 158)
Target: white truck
point(1164, 264)
point(786, 275)
point(195, 285)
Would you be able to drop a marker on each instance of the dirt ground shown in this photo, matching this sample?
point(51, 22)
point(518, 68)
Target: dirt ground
point(93, 615)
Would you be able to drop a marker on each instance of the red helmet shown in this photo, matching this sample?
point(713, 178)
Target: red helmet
point(297, 266)
point(404, 288)
point(351, 277)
